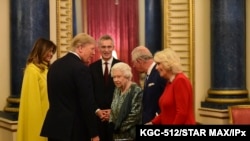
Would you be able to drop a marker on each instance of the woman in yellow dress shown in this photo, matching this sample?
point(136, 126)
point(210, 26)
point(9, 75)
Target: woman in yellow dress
point(34, 97)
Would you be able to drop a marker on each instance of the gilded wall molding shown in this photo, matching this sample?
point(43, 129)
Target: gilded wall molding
point(178, 26)
point(64, 26)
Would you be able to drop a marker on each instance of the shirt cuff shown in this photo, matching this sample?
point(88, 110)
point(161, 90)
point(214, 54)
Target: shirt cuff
point(97, 110)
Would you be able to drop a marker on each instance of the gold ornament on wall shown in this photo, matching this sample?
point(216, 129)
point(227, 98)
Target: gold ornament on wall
point(178, 25)
point(64, 20)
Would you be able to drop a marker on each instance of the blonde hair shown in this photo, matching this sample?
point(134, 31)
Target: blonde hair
point(169, 59)
point(81, 39)
point(124, 68)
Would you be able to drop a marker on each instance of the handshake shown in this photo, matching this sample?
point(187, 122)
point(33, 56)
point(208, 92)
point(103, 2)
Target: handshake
point(103, 114)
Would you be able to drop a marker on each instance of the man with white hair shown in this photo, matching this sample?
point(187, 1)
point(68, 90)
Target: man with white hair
point(154, 85)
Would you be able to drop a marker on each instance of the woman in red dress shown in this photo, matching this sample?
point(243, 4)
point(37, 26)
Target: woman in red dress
point(176, 102)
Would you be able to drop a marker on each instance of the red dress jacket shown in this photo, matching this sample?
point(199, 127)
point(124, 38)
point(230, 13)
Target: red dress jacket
point(176, 103)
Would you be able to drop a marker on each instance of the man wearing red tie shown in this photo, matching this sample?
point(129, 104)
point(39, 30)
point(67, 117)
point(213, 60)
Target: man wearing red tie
point(103, 84)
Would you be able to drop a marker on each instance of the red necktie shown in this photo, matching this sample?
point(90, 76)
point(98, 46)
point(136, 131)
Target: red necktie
point(106, 73)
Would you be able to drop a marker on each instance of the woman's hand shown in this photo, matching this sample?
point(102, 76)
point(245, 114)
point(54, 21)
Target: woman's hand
point(149, 123)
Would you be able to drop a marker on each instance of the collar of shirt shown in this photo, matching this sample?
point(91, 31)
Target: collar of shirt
point(109, 61)
point(109, 64)
point(150, 68)
point(75, 54)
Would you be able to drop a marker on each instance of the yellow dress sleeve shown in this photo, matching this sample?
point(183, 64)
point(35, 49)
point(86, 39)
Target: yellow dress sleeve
point(33, 104)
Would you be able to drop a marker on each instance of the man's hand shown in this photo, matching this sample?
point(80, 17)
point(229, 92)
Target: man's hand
point(103, 114)
point(96, 138)
point(107, 114)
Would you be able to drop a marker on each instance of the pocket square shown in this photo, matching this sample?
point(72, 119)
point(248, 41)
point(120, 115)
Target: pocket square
point(151, 84)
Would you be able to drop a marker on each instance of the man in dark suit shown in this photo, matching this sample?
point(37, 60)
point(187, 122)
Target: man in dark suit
point(154, 85)
point(71, 115)
point(103, 91)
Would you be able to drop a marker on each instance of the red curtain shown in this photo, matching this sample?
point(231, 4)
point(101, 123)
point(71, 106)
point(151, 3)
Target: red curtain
point(118, 18)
